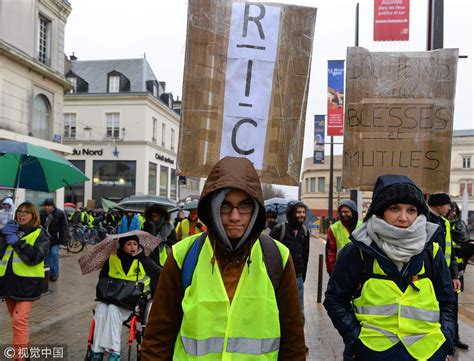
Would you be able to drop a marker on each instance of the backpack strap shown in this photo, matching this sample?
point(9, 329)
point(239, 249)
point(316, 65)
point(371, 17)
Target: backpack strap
point(282, 232)
point(272, 259)
point(190, 260)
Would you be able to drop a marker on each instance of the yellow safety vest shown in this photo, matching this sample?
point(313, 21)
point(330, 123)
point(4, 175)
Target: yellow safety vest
point(19, 267)
point(449, 243)
point(185, 228)
point(116, 271)
point(162, 254)
point(341, 234)
point(213, 328)
point(141, 220)
point(388, 315)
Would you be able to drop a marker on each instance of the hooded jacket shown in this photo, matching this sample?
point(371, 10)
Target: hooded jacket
point(166, 314)
point(58, 226)
point(346, 279)
point(296, 238)
point(331, 245)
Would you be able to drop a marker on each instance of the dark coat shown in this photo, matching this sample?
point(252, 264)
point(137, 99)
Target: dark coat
point(58, 227)
point(296, 238)
point(345, 281)
point(24, 288)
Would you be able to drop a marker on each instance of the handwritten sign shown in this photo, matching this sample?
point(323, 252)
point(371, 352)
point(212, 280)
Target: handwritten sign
point(399, 117)
point(245, 87)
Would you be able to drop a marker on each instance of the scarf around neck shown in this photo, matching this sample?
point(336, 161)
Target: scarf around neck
point(399, 244)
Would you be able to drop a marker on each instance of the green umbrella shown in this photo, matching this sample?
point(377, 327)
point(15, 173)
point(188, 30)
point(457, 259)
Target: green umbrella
point(108, 204)
point(36, 168)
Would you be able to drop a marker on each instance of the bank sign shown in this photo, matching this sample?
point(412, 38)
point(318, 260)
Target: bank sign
point(87, 151)
point(246, 86)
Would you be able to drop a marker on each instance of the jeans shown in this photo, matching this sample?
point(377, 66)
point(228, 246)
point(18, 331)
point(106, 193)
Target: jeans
point(300, 285)
point(52, 259)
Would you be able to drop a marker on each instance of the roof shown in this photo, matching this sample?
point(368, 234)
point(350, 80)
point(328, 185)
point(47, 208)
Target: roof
point(463, 133)
point(138, 71)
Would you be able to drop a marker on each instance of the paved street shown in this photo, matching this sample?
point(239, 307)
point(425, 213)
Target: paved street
point(62, 316)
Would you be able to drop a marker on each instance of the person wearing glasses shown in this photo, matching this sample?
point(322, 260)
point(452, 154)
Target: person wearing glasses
point(6, 212)
point(23, 246)
point(216, 298)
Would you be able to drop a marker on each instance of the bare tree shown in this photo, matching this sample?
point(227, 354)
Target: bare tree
point(269, 191)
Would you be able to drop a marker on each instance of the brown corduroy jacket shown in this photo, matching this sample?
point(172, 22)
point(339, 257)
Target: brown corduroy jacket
point(166, 314)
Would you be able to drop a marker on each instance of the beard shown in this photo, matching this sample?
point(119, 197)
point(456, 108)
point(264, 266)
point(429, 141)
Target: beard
point(346, 219)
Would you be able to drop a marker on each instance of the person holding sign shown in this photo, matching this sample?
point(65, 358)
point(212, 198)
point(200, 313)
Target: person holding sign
point(230, 292)
point(395, 275)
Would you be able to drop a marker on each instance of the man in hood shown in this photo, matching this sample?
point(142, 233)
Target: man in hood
point(295, 235)
point(440, 206)
point(339, 232)
point(202, 312)
point(7, 213)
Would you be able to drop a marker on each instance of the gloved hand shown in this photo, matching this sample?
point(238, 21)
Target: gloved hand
point(11, 239)
point(10, 228)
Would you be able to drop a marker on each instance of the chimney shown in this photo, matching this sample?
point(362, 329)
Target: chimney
point(72, 57)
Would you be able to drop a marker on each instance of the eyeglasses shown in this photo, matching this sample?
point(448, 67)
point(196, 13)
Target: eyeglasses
point(243, 208)
point(23, 213)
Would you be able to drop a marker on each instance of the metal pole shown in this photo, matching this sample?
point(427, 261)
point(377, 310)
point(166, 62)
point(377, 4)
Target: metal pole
point(320, 278)
point(354, 191)
point(435, 24)
point(331, 178)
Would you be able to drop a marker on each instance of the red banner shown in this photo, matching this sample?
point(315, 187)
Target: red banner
point(391, 20)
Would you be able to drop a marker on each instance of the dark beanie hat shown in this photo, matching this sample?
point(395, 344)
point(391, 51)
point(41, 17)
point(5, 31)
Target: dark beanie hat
point(392, 189)
point(123, 240)
point(439, 199)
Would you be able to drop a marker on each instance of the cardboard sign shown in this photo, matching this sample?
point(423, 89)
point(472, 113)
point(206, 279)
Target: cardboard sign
point(245, 90)
point(399, 117)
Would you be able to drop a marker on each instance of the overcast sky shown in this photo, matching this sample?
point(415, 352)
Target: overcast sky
point(119, 29)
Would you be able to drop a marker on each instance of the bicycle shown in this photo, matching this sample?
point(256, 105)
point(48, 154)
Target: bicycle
point(80, 237)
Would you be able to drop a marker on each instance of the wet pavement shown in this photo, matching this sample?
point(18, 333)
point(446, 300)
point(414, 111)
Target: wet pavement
point(61, 318)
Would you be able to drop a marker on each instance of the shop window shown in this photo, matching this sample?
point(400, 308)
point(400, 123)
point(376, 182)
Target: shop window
point(152, 178)
point(163, 181)
point(113, 180)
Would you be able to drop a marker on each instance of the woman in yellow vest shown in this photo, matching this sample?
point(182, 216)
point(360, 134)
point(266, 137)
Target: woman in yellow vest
point(23, 246)
point(130, 264)
point(395, 274)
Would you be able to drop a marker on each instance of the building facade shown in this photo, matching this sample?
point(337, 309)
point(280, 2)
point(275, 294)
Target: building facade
point(123, 127)
point(315, 178)
point(462, 167)
point(32, 81)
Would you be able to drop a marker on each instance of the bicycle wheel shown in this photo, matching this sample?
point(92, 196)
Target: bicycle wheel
point(75, 243)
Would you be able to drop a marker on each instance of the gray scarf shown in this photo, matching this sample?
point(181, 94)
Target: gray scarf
point(399, 244)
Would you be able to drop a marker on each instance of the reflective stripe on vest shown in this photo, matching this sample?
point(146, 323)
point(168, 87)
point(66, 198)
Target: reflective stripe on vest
point(19, 267)
point(116, 271)
point(449, 244)
point(246, 329)
point(342, 234)
point(388, 315)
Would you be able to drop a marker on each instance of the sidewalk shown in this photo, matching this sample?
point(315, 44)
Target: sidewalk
point(62, 316)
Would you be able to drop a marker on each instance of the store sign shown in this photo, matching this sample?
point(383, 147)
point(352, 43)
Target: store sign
point(163, 158)
point(87, 151)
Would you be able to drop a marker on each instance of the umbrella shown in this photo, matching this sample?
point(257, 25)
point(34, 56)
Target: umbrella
point(139, 203)
point(108, 204)
point(95, 257)
point(280, 205)
point(36, 168)
point(71, 205)
point(69, 210)
point(190, 205)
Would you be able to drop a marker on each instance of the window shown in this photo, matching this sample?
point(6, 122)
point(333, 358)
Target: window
point(172, 139)
point(338, 184)
point(173, 184)
point(73, 80)
point(69, 125)
point(113, 125)
point(313, 185)
point(41, 115)
point(155, 126)
point(114, 84)
point(113, 180)
point(155, 90)
point(163, 134)
point(466, 162)
point(321, 184)
point(163, 181)
point(75, 193)
point(152, 178)
point(44, 40)
point(306, 185)
point(467, 186)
